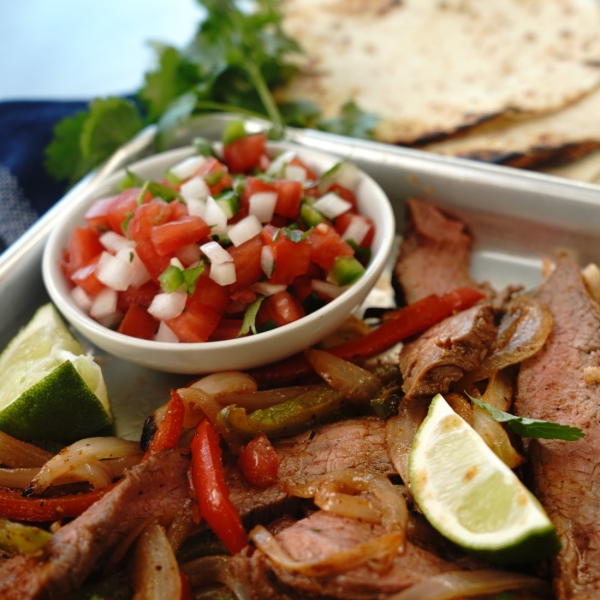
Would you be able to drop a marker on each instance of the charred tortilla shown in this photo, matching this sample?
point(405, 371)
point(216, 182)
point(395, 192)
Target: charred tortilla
point(431, 68)
point(553, 139)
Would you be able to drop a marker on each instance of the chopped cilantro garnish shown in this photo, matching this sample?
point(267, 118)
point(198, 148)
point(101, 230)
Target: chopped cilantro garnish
point(249, 323)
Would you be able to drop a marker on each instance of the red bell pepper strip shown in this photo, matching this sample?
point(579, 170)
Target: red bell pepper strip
point(15, 506)
point(169, 429)
point(404, 323)
point(208, 478)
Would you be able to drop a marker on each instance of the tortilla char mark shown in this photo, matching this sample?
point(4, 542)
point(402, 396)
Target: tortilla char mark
point(435, 254)
point(566, 475)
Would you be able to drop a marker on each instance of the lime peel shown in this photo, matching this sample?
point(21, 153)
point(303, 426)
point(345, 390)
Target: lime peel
point(50, 389)
point(471, 497)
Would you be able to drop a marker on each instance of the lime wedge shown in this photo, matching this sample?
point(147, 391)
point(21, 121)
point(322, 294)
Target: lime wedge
point(471, 497)
point(49, 389)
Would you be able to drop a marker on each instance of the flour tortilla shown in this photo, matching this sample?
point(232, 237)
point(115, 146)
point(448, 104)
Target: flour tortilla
point(431, 68)
point(552, 139)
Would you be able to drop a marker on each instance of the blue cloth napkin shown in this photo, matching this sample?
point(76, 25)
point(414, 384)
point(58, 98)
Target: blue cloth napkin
point(26, 190)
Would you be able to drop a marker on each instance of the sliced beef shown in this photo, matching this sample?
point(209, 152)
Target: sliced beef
point(354, 443)
point(323, 534)
point(566, 475)
point(158, 486)
point(444, 353)
point(435, 253)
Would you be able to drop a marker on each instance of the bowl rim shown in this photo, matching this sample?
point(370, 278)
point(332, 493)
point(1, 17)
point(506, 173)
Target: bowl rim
point(56, 241)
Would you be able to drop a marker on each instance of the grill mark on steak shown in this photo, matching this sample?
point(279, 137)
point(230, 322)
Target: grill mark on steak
point(566, 475)
point(444, 353)
point(435, 253)
point(324, 534)
point(355, 443)
point(155, 487)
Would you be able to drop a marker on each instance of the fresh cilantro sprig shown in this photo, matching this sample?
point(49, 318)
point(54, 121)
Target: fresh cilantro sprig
point(236, 60)
point(531, 428)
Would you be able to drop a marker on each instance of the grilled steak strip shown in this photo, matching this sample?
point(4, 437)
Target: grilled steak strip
point(324, 534)
point(155, 487)
point(435, 253)
point(566, 475)
point(444, 353)
point(354, 443)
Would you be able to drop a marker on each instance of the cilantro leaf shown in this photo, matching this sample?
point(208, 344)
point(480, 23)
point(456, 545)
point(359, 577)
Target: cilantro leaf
point(63, 157)
point(532, 428)
point(353, 122)
point(249, 323)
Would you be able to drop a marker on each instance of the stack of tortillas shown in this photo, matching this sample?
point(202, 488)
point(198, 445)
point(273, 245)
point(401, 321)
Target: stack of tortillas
point(510, 81)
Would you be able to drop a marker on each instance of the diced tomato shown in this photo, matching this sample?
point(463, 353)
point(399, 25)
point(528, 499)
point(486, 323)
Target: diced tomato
point(343, 221)
point(121, 208)
point(153, 261)
point(195, 323)
point(173, 235)
point(246, 259)
point(244, 153)
point(344, 193)
point(284, 308)
point(85, 278)
point(243, 296)
point(210, 294)
point(189, 255)
point(178, 209)
point(97, 214)
point(227, 329)
point(215, 174)
point(138, 322)
point(83, 246)
point(289, 196)
point(146, 217)
point(291, 259)
point(259, 462)
point(326, 244)
point(141, 295)
point(254, 186)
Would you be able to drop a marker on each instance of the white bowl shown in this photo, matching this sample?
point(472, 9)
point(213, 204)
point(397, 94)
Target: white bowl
point(243, 353)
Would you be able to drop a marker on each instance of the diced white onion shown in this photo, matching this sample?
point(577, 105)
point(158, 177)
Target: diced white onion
point(278, 165)
point(295, 173)
point(262, 205)
point(357, 229)
point(175, 262)
point(114, 272)
point(223, 273)
point(215, 217)
point(267, 260)
point(104, 304)
point(81, 298)
point(331, 205)
point(195, 189)
point(139, 273)
point(196, 207)
point(113, 242)
point(264, 288)
point(186, 168)
point(165, 334)
point(347, 176)
point(167, 306)
point(216, 253)
point(327, 289)
point(245, 230)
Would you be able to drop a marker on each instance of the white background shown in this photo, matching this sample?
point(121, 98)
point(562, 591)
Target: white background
point(79, 49)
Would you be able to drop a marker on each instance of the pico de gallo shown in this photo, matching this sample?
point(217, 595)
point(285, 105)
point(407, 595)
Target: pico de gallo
point(225, 245)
